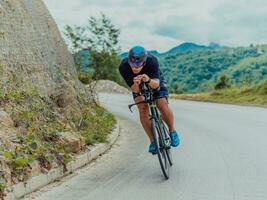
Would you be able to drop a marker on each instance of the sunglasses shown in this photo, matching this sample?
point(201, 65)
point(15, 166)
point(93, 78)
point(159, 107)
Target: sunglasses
point(137, 64)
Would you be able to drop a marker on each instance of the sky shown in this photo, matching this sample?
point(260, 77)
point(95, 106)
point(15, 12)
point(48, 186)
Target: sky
point(161, 25)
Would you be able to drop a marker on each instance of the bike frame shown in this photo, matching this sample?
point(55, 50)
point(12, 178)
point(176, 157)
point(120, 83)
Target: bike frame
point(150, 100)
point(158, 129)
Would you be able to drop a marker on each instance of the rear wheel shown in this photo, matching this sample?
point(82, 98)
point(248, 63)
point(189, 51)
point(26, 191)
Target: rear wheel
point(161, 151)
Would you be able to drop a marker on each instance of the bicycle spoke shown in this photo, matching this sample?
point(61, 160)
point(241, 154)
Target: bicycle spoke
point(162, 151)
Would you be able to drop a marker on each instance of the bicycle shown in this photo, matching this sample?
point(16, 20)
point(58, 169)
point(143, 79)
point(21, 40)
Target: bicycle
point(159, 130)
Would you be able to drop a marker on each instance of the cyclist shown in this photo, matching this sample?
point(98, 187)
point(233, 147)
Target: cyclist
point(139, 67)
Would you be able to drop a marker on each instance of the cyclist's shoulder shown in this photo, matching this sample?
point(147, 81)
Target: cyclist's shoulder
point(152, 60)
point(152, 57)
point(124, 66)
point(124, 62)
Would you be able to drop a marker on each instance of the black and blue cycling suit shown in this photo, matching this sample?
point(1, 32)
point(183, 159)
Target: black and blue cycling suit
point(151, 69)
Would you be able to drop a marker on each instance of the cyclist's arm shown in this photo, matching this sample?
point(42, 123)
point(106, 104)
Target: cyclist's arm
point(154, 83)
point(136, 82)
point(135, 88)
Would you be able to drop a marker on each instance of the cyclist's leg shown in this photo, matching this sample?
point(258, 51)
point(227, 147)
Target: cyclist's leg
point(163, 106)
point(144, 117)
point(166, 113)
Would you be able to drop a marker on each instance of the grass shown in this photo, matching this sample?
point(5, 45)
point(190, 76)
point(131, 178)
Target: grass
point(38, 121)
point(245, 95)
point(97, 124)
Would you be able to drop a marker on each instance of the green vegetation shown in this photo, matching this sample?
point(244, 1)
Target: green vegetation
point(247, 95)
point(84, 77)
point(222, 83)
point(250, 70)
point(38, 120)
point(28, 150)
point(226, 75)
point(97, 124)
point(95, 49)
point(198, 70)
point(43, 123)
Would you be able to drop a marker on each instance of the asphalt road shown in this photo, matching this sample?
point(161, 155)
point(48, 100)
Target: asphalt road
point(222, 156)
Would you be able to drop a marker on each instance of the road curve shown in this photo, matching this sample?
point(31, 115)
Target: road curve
point(222, 157)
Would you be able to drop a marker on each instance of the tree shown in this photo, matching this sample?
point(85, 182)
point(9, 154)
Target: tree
point(75, 38)
point(100, 38)
point(223, 83)
point(176, 89)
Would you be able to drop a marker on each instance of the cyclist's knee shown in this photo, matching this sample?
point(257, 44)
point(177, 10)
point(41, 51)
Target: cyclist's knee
point(143, 106)
point(143, 109)
point(162, 104)
point(139, 99)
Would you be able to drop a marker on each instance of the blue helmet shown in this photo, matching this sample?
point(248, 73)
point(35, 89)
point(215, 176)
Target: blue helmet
point(137, 56)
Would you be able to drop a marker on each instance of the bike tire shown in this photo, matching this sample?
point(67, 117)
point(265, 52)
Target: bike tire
point(161, 152)
point(166, 135)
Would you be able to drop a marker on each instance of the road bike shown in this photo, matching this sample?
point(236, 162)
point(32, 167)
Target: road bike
point(159, 130)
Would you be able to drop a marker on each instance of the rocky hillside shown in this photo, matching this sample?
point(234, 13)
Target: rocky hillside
point(108, 86)
point(46, 114)
point(31, 46)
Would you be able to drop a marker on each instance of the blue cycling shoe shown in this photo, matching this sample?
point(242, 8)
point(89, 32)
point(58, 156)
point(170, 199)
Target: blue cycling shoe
point(152, 148)
point(175, 141)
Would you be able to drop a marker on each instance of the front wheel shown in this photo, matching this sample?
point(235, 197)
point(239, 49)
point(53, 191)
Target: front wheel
point(167, 140)
point(161, 150)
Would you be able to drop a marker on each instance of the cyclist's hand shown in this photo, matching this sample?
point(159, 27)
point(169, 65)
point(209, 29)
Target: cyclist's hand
point(145, 78)
point(137, 80)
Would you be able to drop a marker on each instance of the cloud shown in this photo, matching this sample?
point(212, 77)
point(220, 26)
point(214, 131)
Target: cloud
point(230, 23)
point(161, 25)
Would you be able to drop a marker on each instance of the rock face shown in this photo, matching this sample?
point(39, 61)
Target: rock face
point(7, 130)
point(31, 47)
point(70, 142)
point(111, 87)
point(33, 55)
point(5, 120)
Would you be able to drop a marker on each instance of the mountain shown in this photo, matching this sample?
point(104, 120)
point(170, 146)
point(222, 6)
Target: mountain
point(188, 46)
point(153, 52)
point(251, 70)
point(214, 45)
point(199, 70)
point(190, 67)
point(184, 47)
